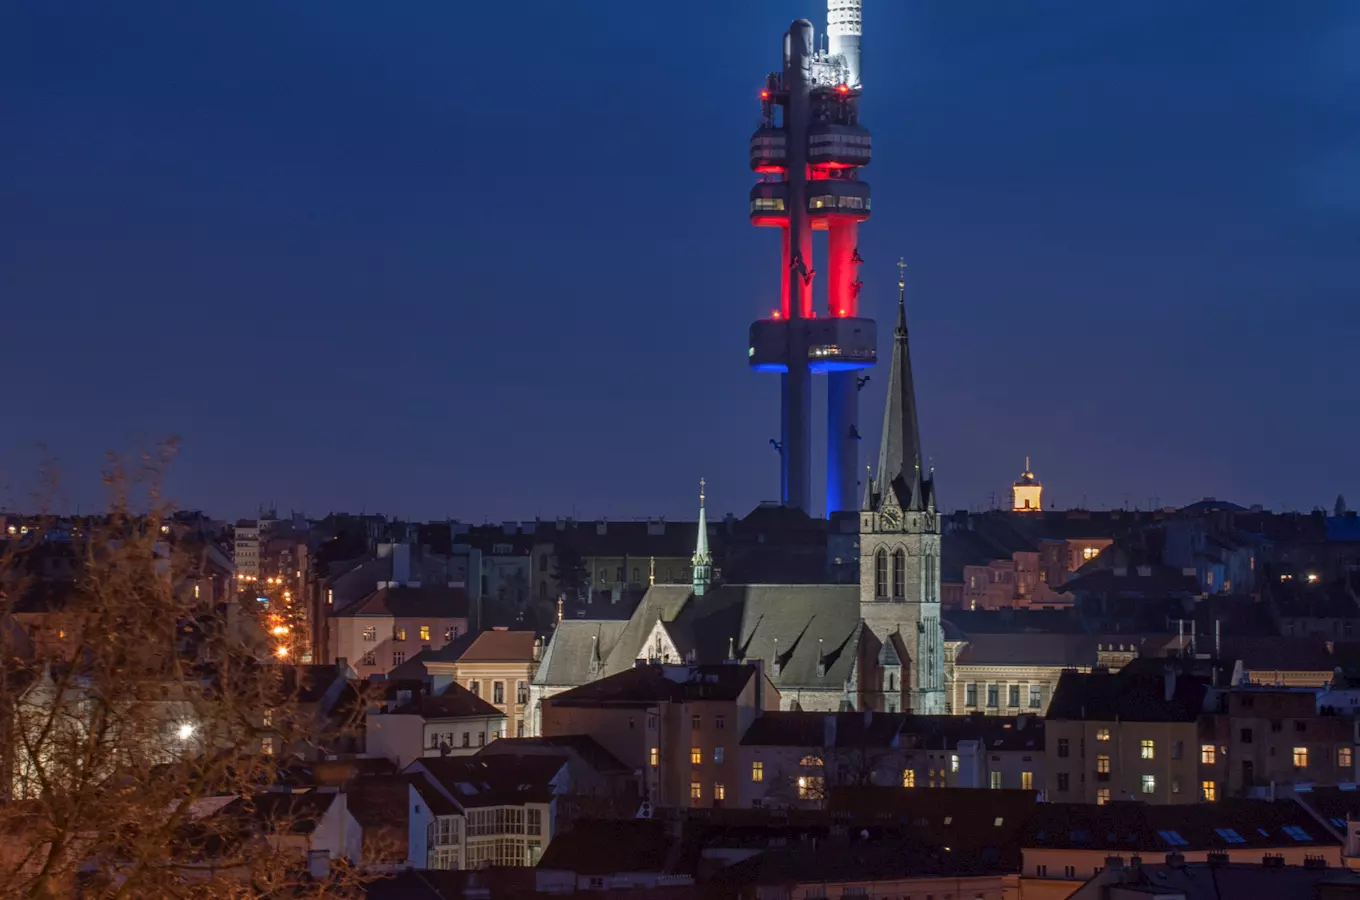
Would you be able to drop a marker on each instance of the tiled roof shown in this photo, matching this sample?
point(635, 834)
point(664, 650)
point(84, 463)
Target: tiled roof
point(608, 847)
point(1229, 824)
point(1127, 696)
point(647, 683)
point(501, 646)
point(493, 779)
point(583, 745)
point(1221, 881)
point(281, 811)
point(1285, 654)
point(456, 702)
point(567, 657)
point(430, 601)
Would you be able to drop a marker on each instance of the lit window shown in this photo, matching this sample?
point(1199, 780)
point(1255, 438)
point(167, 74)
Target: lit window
point(1209, 789)
point(1343, 757)
point(717, 755)
point(1089, 553)
point(811, 762)
point(908, 778)
point(1300, 757)
point(719, 792)
point(954, 763)
point(809, 787)
point(1149, 784)
point(371, 633)
point(399, 633)
point(1147, 750)
point(267, 746)
point(424, 632)
point(1027, 781)
point(996, 781)
point(1208, 754)
point(1103, 764)
point(696, 791)
point(757, 771)
point(656, 757)
point(1102, 734)
point(696, 756)
point(1102, 796)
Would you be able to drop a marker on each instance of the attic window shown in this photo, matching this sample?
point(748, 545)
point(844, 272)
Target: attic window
point(1173, 838)
point(997, 823)
point(1297, 833)
point(948, 820)
point(1230, 835)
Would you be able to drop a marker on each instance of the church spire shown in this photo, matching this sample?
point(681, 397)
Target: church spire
point(899, 455)
point(702, 559)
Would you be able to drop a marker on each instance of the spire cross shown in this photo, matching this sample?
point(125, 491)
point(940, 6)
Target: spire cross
point(702, 482)
point(902, 272)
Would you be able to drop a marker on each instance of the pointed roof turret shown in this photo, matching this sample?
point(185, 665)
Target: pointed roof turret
point(702, 559)
point(899, 454)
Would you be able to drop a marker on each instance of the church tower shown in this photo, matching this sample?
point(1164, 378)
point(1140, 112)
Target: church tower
point(899, 544)
point(1027, 493)
point(702, 560)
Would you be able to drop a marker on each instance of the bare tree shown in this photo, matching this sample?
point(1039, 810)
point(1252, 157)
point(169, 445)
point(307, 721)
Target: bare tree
point(141, 720)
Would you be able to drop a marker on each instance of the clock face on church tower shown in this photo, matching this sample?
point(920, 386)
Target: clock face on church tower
point(891, 518)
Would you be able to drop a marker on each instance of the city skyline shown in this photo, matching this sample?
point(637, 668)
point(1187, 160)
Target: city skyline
point(283, 218)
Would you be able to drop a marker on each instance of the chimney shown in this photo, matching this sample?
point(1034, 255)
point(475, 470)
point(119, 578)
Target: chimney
point(538, 649)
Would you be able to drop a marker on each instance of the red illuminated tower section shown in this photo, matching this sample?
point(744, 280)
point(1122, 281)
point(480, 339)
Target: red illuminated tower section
point(808, 151)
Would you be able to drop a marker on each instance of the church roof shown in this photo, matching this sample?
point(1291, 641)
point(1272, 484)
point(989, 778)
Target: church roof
point(566, 659)
point(798, 622)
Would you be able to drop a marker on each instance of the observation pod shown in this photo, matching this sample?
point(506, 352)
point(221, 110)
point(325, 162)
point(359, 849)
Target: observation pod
point(836, 344)
point(769, 149)
point(833, 146)
point(770, 204)
point(837, 199)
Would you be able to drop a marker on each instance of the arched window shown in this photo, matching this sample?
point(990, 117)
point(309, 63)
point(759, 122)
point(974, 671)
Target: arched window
point(881, 574)
point(892, 681)
point(899, 582)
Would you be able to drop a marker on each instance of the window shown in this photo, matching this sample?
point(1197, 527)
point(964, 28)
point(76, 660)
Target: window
point(519, 729)
point(1064, 748)
point(881, 574)
point(1102, 765)
point(1147, 750)
point(1089, 552)
point(370, 659)
point(1230, 835)
point(1149, 784)
point(1300, 757)
point(267, 746)
point(718, 755)
point(970, 695)
point(993, 695)
point(1343, 757)
point(1014, 696)
point(1102, 796)
point(656, 756)
point(954, 763)
point(450, 633)
point(996, 781)
point(809, 787)
point(1175, 784)
point(696, 791)
point(757, 771)
point(810, 762)
point(1026, 781)
point(522, 693)
point(467, 739)
point(533, 821)
point(371, 633)
point(719, 792)
point(425, 632)
point(696, 756)
point(1246, 734)
point(899, 574)
point(1178, 749)
point(908, 778)
point(543, 563)
point(481, 739)
point(1102, 734)
point(1296, 833)
point(1064, 781)
point(1035, 697)
point(1208, 754)
point(398, 657)
point(399, 632)
point(719, 721)
point(1208, 791)
point(498, 692)
point(695, 722)
point(475, 687)
point(1173, 838)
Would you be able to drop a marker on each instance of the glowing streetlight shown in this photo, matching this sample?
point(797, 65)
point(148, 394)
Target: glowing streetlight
point(185, 731)
point(282, 652)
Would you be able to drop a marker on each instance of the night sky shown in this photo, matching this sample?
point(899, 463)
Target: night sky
point(493, 260)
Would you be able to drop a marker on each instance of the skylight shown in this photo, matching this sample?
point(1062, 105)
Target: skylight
point(1173, 838)
point(1338, 822)
point(1230, 835)
point(1297, 833)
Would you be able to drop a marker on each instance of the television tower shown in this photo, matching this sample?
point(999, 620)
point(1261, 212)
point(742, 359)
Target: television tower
point(808, 151)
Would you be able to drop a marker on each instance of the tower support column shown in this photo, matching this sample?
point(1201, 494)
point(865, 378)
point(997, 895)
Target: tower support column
point(799, 274)
point(842, 401)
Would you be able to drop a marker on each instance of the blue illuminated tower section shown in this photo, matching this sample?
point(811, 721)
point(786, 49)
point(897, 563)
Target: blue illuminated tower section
point(808, 151)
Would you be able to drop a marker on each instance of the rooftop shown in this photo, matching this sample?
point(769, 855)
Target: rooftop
point(1229, 824)
point(429, 602)
point(649, 683)
point(493, 779)
point(501, 645)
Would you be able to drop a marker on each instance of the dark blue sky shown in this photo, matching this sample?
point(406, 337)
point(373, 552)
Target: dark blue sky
point(492, 259)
